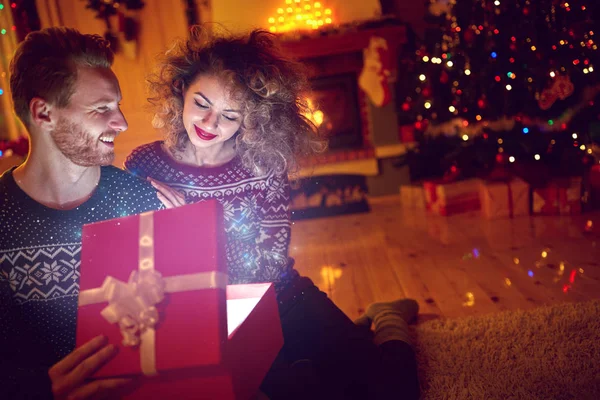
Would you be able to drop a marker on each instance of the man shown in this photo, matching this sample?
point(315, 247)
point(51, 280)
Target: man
point(67, 96)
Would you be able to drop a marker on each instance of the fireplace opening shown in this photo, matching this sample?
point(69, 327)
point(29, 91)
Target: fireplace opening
point(336, 110)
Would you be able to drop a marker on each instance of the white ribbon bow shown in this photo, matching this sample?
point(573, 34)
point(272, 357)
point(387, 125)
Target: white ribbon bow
point(132, 304)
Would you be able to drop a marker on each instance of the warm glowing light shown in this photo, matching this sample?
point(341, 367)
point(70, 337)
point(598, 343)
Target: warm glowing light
point(589, 151)
point(465, 137)
point(507, 282)
point(467, 72)
point(497, 3)
point(316, 116)
point(537, 157)
point(544, 254)
point(470, 300)
point(427, 105)
point(516, 261)
point(449, 63)
point(511, 159)
point(452, 109)
point(574, 136)
point(425, 59)
point(582, 147)
point(478, 117)
point(500, 141)
point(508, 87)
point(330, 274)
point(533, 48)
point(300, 18)
point(552, 74)
point(422, 77)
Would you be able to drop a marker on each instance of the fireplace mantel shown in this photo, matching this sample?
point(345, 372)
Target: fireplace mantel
point(342, 43)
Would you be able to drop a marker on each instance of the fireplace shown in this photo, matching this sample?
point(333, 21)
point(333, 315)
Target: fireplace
point(334, 62)
point(336, 110)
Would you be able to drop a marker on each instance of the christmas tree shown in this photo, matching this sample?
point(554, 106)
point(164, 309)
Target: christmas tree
point(502, 82)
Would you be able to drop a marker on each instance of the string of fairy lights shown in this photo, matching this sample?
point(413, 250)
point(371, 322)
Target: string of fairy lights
point(4, 31)
point(570, 53)
point(300, 15)
point(453, 39)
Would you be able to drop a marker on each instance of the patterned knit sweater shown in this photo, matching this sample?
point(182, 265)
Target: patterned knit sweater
point(40, 252)
point(256, 210)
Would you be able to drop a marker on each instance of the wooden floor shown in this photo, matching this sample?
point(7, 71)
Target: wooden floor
point(453, 266)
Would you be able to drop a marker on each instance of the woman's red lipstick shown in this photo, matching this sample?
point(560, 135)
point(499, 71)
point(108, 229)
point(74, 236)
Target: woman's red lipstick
point(203, 134)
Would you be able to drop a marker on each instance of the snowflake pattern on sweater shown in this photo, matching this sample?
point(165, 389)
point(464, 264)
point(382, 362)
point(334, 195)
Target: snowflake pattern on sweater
point(256, 210)
point(40, 256)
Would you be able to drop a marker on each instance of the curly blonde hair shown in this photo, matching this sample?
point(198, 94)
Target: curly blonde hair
point(275, 131)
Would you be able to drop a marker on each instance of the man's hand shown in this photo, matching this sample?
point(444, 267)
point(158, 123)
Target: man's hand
point(171, 198)
point(69, 376)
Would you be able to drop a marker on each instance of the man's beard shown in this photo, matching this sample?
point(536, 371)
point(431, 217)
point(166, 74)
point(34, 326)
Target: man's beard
point(80, 146)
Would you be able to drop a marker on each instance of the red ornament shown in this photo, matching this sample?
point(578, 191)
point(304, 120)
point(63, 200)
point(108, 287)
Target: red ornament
point(405, 106)
point(525, 11)
point(501, 158)
point(481, 103)
point(426, 92)
point(444, 77)
point(469, 36)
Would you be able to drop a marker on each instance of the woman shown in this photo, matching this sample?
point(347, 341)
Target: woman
point(233, 113)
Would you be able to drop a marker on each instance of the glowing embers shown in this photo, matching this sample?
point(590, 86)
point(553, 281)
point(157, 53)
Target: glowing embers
point(300, 15)
point(315, 115)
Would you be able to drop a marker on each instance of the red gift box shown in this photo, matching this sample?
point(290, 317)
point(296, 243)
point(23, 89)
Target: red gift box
point(506, 198)
point(447, 198)
point(561, 197)
point(155, 285)
point(254, 341)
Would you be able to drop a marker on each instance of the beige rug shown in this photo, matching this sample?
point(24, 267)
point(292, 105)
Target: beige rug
point(546, 353)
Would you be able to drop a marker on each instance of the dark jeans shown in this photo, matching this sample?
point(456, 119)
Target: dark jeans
point(326, 356)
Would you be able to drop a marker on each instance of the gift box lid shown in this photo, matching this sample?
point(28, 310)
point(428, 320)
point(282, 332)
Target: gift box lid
point(187, 247)
point(254, 340)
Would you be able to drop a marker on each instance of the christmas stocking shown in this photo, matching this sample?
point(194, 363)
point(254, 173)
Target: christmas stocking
point(373, 79)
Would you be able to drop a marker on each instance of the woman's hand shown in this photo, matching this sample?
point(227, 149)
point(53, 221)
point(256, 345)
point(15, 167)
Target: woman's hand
point(170, 197)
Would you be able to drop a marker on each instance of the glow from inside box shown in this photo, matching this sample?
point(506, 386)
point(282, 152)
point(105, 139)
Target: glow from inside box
point(237, 312)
